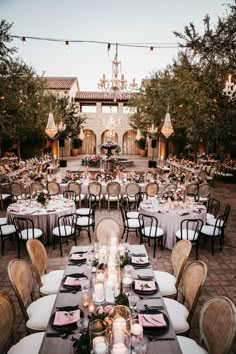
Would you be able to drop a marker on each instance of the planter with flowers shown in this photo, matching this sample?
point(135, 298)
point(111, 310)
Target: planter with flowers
point(43, 197)
point(110, 147)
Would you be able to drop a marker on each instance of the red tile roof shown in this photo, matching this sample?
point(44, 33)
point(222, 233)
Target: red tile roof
point(60, 83)
point(103, 96)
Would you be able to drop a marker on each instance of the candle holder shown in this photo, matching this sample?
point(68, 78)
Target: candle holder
point(121, 324)
point(97, 328)
point(100, 345)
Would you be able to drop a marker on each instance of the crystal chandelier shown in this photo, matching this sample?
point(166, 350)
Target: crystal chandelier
point(167, 128)
point(117, 85)
point(52, 129)
point(230, 89)
point(110, 124)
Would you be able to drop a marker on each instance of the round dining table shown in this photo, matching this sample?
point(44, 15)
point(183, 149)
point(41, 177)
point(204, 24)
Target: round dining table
point(44, 217)
point(170, 215)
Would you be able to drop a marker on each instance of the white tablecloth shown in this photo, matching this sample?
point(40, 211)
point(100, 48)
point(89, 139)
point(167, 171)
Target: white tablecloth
point(169, 219)
point(44, 218)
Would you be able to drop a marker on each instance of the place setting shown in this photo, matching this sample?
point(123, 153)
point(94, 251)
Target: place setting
point(75, 282)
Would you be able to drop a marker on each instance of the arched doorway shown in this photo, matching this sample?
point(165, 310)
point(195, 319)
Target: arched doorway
point(89, 142)
point(109, 134)
point(129, 145)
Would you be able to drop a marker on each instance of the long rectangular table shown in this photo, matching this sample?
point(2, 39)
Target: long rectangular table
point(65, 346)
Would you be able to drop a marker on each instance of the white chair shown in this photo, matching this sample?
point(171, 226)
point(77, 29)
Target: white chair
point(113, 193)
point(190, 230)
point(217, 328)
point(76, 187)
point(25, 230)
point(65, 229)
point(149, 230)
point(86, 222)
point(38, 312)
point(27, 345)
point(213, 206)
point(48, 283)
point(193, 279)
point(6, 231)
point(168, 283)
point(104, 227)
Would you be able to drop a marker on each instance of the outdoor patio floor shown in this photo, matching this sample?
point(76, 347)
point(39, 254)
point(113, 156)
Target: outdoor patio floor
point(221, 277)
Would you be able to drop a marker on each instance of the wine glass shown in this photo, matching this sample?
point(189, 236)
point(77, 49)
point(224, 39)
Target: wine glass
point(133, 299)
point(84, 284)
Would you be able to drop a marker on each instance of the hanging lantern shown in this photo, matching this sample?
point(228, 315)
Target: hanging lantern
point(138, 135)
point(81, 134)
point(51, 128)
point(167, 128)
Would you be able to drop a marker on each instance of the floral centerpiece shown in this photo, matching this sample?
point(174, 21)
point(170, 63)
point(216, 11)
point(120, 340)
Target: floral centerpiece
point(91, 160)
point(177, 177)
point(36, 176)
point(110, 146)
point(103, 177)
point(173, 195)
point(41, 197)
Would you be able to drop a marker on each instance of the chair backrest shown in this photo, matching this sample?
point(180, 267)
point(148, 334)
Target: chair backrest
point(104, 226)
point(150, 221)
point(212, 171)
point(192, 190)
point(202, 175)
point(204, 190)
point(170, 187)
point(36, 186)
point(113, 188)
point(226, 213)
point(64, 221)
point(139, 197)
point(69, 194)
point(152, 189)
point(75, 186)
point(193, 279)
point(189, 225)
point(178, 258)
point(7, 320)
point(38, 256)
point(218, 324)
point(132, 188)
point(26, 225)
point(22, 281)
point(213, 206)
point(53, 187)
point(95, 188)
point(16, 188)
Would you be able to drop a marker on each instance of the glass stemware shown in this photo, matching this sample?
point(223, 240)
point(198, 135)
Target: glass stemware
point(133, 299)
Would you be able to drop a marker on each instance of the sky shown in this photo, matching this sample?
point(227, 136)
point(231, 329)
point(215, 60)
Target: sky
point(109, 21)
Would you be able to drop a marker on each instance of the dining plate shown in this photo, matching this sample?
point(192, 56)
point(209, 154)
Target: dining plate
point(67, 327)
point(145, 292)
point(152, 331)
point(75, 275)
point(139, 265)
point(83, 260)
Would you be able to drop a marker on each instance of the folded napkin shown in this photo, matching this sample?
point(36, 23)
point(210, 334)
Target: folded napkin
point(154, 320)
point(142, 285)
point(63, 318)
point(14, 209)
point(71, 281)
point(139, 260)
point(77, 257)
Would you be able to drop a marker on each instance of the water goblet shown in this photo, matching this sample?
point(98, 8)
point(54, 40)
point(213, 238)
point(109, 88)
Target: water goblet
point(133, 299)
point(89, 258)
point(84, 284)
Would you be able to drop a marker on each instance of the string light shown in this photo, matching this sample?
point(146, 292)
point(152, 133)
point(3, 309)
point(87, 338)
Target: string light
point(24, 40)
point(133, 45)
point(151, 48)
point(67, 44)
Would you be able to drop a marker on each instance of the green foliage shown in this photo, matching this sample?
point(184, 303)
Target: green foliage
point(76, 143)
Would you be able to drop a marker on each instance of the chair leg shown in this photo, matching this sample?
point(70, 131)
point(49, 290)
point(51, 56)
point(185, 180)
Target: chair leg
point(212, 246)
point(60, 246)
point(154, 248)
point(18, 247)
point(197, 250)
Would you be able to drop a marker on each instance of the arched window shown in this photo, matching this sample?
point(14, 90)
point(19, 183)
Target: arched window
point(129, 145)
point(89, 142)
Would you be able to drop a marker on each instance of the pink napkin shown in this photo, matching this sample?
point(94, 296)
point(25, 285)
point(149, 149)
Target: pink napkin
point(155, 320)
point(71, 281)
point(15, 209)
point(77, 257)
point(143, 285)
point(63, 318)
point(139, 260)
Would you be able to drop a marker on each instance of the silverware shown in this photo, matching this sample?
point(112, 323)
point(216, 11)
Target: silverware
point(155, 339)
point(145, 277)
point(60, 335)
point(149, 298)
point(74, 291)
point(154, 307)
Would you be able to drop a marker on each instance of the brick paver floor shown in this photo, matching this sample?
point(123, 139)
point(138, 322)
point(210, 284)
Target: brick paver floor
point(221, 267)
